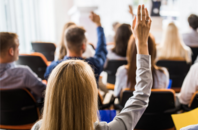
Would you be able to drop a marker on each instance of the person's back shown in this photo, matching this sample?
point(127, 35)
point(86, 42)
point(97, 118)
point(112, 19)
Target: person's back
point(172, 46)
point(76, 43)
point(191, 38)
point(71, 95)
point(15, 76)
point(125, 76)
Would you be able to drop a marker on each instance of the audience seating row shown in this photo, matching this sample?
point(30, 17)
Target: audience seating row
point(21, 110)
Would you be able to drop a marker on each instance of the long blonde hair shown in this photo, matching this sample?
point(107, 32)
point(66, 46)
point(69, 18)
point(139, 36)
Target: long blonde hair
point(172, 46)
point(63, 51)
point(71, 98)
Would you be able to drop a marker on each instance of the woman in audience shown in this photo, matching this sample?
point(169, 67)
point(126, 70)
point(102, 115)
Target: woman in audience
point(118, 51)
point(125, 76)
point(71, 95)
point(61, 50)
point(172, 46)
point(191, 38)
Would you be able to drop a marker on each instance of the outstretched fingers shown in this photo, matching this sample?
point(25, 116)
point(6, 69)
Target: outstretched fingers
point(139, 14)
point(143, 14)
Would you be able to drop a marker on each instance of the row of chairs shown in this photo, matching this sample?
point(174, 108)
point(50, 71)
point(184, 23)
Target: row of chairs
point(162, 103)
point(177, 69)
point(21, 111)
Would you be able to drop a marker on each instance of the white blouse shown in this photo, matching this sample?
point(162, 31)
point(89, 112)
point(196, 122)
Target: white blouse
point(121, 80)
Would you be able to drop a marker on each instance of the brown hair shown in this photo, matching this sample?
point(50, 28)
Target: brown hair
point(131, 58)
point(71, 97)
point(75, 37)
point(121, 39)
point(63, 50)
point(193, 21)
point(7, 41)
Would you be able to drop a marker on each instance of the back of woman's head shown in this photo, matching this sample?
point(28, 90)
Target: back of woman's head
point(193, 21)
point(71, 97)
point(172, 45)
point(63, 50)
point(131, 58)
point(121, 39)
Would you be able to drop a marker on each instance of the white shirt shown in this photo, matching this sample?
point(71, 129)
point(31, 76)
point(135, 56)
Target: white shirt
point(190, 85)
point(112, 56)
point(121, 80)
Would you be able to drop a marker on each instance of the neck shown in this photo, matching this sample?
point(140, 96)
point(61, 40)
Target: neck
point(72, 54)
point(3, 61)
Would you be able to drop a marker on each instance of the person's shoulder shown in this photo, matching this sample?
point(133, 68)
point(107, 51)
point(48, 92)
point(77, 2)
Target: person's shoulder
point(37, 125)
point(101, 126)
point(122, 70)
point(22, 69)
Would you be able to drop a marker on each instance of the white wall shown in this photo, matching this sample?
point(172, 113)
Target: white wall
point(61, 8)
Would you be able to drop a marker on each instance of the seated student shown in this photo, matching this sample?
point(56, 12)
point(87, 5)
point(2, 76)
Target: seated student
point(61, 50)
point(191, 38)
point(122, 36)
point(76, 45)
point(190, 85)
point(172, 46)
point(125, 76)
point(16, 76)
point(71, 95)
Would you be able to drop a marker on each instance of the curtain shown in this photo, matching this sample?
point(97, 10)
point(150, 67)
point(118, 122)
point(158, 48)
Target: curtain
point(32, 20)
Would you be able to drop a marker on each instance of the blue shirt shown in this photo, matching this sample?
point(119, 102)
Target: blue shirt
point(96, 62)
point(17, 76)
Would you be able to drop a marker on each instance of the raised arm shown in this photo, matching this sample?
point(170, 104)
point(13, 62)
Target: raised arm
point(136, 105)
point(101, 51)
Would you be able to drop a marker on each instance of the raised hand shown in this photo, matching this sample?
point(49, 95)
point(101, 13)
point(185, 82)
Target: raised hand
point(95, 18)
point(131, 10)
point(141, 27)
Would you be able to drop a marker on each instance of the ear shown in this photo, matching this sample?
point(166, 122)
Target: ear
point(84, 46)
point(11, 52)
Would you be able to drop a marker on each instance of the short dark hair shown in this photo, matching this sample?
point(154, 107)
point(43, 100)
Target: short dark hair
point(75, 36)
point(122, 36)
point(7, 41)
point(193, 21)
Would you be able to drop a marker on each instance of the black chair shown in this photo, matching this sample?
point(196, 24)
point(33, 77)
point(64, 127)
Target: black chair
point(18, 109)
point(47, 49)
point(111, 69)
point(36, 61)
point(158, 113)
point(195, 53)
point(177, 71)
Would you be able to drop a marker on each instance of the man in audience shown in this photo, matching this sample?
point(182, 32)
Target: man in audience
point(76, 44)
point(190, 85)
point(191, 38)
point(11, 75)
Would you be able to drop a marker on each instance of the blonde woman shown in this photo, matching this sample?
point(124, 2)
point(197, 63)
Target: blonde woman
point(71, 95)
point(172, 46)
point(61, 50)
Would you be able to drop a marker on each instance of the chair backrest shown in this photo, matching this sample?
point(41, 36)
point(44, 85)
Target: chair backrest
point(17, 107)
point(47, 49)
point(194, 101)
point(111, 69)
point(177, 71)
point(159, 101)
point(36, 61)
point(195, 53)
point(154, 117)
